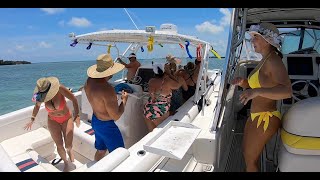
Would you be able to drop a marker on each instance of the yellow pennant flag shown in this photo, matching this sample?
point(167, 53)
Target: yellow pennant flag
point(215, 53)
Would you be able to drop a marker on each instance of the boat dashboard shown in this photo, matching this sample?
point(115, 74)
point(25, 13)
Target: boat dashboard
point(303, 71)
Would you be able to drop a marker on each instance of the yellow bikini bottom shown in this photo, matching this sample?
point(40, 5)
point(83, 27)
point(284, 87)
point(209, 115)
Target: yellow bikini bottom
point(265, 117)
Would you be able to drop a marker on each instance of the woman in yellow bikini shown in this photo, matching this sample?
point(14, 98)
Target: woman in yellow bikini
point(266, 84)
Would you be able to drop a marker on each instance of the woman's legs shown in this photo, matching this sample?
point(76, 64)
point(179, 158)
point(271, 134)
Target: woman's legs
point(150, 124)
point(55, 131)
point(67, 130)
point(254, 140)
point(161, 119)
point(153, 124)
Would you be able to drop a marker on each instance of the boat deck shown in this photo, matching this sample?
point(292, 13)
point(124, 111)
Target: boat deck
point(34, 151)
point(236, 163)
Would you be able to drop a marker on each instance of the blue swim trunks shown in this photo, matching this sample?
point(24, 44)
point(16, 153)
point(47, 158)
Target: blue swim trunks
point(107, 134)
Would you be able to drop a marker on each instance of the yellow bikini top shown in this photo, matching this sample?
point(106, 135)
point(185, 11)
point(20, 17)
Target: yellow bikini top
point(253, 80)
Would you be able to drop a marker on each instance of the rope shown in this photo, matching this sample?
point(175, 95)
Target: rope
point(131, 18)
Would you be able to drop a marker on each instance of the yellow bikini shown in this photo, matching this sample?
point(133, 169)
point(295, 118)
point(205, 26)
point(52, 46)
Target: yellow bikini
point(253, 82)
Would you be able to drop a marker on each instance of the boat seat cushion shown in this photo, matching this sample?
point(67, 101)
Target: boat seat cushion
point(292, 162)
point(300, 133)
point(31, 161)
point(83, 140)
point(30, 140)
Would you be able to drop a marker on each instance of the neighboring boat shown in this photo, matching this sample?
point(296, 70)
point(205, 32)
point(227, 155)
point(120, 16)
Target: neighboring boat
point(205, 134)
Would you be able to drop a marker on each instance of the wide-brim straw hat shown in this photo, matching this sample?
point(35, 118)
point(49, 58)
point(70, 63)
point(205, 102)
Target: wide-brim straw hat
point(46, 88)
point(172, 59)
point(105, 67)
point(269, 32)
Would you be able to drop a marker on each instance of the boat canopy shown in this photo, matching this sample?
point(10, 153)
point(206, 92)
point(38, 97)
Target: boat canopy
point(285, 17)
point(137, 36)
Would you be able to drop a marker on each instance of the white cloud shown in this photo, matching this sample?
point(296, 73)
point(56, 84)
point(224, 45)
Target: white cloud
point(52, 10)
point(20, 47)
point(43, 44)
point(61, 23)
point(79, 22)
point(225, 20)
point(208, 27)
point(213, 27)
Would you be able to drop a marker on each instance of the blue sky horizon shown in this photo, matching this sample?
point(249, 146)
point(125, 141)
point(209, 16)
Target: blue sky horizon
point(41, 34)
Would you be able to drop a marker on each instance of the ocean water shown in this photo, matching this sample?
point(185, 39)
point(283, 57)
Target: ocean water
point(17, 82)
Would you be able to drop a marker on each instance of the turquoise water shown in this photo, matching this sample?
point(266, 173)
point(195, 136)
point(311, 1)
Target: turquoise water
point(17, 82)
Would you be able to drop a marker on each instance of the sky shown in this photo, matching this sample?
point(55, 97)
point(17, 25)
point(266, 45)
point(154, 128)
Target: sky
point(41, 34)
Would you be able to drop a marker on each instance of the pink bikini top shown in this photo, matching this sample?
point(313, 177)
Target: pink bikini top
point(61, 105)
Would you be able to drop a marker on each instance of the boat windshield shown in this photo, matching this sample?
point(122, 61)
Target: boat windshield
point(295, 41)
point(300, 41)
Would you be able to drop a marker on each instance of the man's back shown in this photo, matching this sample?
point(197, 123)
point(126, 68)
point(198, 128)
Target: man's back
point(96, 92)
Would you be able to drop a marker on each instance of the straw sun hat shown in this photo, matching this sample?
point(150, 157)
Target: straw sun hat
point(172, 59)
point(105, 67)
point(269, 32)
point(46, 89)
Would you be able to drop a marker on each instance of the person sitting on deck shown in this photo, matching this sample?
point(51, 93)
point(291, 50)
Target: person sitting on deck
point(156, 110)
point(171, 70)
point(190, 75)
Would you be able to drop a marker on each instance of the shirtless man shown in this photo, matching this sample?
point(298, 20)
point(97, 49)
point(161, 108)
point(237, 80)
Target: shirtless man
point(132, 66)
point(103, 100)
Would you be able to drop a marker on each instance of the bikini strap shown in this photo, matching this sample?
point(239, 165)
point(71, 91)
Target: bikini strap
point(263, 61)
point(190, 77)
point(52, 104)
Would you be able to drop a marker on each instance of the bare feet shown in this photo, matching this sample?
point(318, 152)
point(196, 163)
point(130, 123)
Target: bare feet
point(66, 167)
point(69, 166)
